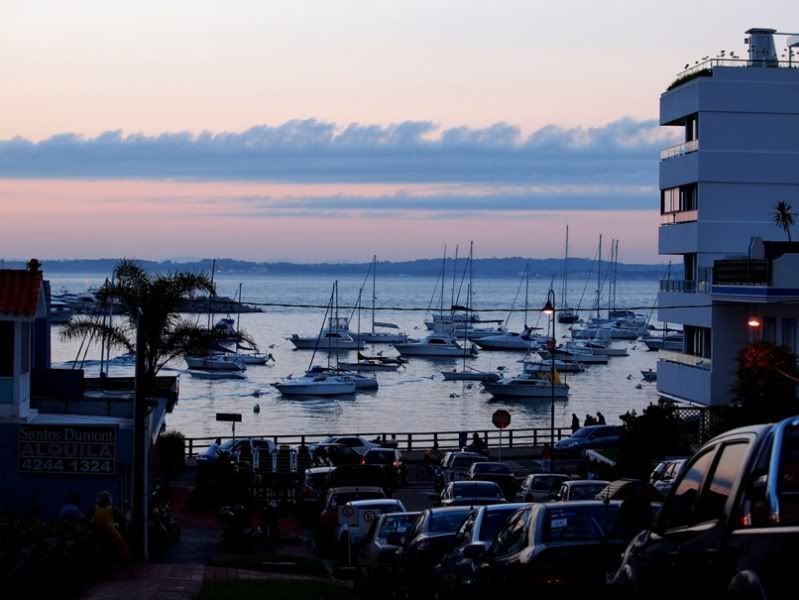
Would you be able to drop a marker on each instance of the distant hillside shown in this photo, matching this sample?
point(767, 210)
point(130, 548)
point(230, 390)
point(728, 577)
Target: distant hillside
point(427, 267)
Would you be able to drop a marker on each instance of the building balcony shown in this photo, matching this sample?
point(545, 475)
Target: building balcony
point(757, 280)
point(683, 216)
point(679, 150)
point(683, 377)
point(684, 286)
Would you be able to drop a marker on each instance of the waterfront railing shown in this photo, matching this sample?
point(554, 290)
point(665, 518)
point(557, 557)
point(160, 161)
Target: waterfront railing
point(409, 441)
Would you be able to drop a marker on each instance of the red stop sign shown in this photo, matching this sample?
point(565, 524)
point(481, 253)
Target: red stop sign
point(500, 419)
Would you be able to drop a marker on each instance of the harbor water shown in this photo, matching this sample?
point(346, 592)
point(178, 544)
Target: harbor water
point(414, 398)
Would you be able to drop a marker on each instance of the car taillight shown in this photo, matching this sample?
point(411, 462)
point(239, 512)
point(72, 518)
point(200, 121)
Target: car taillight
point(363, 461)
point(308, 491)
point(396, 463)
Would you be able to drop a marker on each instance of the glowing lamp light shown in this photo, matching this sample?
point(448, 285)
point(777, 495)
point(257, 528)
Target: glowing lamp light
point(549, 310)
point(753, 322)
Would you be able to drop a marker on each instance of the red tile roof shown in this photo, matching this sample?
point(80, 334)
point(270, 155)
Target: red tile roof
point(19, 292)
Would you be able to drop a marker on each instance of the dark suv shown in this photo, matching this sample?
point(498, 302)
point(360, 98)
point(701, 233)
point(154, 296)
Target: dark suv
point(730, 525)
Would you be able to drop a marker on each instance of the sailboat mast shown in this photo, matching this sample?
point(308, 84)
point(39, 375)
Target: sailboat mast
point(565, 273)
point(443, 279)
point(598, 276)
point(374, 292)
point(526, 292)
point(452, 301)
point(213, 271)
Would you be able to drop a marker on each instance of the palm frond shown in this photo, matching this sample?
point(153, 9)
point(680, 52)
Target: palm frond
point(114, 334)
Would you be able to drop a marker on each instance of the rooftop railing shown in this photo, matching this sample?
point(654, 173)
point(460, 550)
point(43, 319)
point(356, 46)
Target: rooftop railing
point(679, 150)
point(710, 63)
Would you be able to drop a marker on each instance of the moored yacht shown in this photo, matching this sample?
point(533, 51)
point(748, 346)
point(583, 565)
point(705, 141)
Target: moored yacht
point(316, 385)
point(528, 385)
point(436, 346)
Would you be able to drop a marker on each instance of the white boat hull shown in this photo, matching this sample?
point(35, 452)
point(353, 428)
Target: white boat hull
point(513, 388)
point(215, 363)
point(380, 338)
point(311, 343)
point(297, 388)
point(431, 351)
point(507, 343)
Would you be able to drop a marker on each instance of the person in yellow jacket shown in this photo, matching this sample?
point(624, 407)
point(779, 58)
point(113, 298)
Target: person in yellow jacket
point(105, 523)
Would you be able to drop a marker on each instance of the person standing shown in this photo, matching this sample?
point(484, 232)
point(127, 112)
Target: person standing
point(600, 418)
point(105, 517)
point(70, 510)
point(546, 459)
point(575, 423)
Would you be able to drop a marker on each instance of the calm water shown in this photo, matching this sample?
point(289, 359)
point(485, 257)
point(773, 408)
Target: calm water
point(412, 399)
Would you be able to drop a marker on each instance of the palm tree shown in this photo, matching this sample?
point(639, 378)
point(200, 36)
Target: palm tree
point(783, 216)
point(158, 297)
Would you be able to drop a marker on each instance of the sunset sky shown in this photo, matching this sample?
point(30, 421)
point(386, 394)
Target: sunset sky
point(320, 130)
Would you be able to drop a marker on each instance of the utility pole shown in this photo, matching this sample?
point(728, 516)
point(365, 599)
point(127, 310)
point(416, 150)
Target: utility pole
point(140, 498)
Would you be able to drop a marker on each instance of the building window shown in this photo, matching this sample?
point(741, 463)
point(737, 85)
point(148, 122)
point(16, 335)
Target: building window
point(692, 128)
point(770, 330)
point(6, 349)
point(678, 199)
point(25, 348)
point(698, 341)
point(789, 333)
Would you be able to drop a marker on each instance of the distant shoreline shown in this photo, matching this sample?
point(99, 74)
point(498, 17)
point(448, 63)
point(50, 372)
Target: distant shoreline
point(430, 267)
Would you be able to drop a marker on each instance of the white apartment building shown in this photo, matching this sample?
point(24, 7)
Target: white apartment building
point(740, 156)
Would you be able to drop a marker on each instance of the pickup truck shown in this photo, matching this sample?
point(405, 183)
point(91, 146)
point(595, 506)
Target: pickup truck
point(729, 527)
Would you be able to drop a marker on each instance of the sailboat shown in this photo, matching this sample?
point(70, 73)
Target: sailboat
point(335, 337)
point(511, 340)
point(321, 382)
point(565, 314)
point(375, 336)
point(438, 345)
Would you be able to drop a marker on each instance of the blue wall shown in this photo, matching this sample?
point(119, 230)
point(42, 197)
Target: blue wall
point(45, 493)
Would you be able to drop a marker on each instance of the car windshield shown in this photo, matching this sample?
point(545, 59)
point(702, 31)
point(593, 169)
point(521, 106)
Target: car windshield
point(464, 462)
point(399, 524)
point(476, 490)
point(495, 468)
point(585, 492)
point(581, 433)
point(493, 521)
point(545, 483)
point(447, 521)
point(577, 523)
point(379, 458)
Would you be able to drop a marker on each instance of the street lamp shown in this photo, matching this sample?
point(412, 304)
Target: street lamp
point(549, 310)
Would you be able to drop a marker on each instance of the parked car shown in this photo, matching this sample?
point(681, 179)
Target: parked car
point(665, 473)
point(554, 550)
point(454, 467)
point(498, 472)
point(540, 487)
point(471, 493)
point(356, 517)
point(358, 475)
point(621, 489)
point(335, 497)
point(390, 460)
point(593, 436)
point(376, 555)
point(728, 528)
point(359, 444)
point(579, 489)
point(426, 542)
point(314, 486)
point(456, 573)
point(334, 455)
point(246, 446)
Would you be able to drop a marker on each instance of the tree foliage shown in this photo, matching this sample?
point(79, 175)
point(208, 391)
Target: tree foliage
point(765, 386)
point(150, 301)
point(783, 216)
